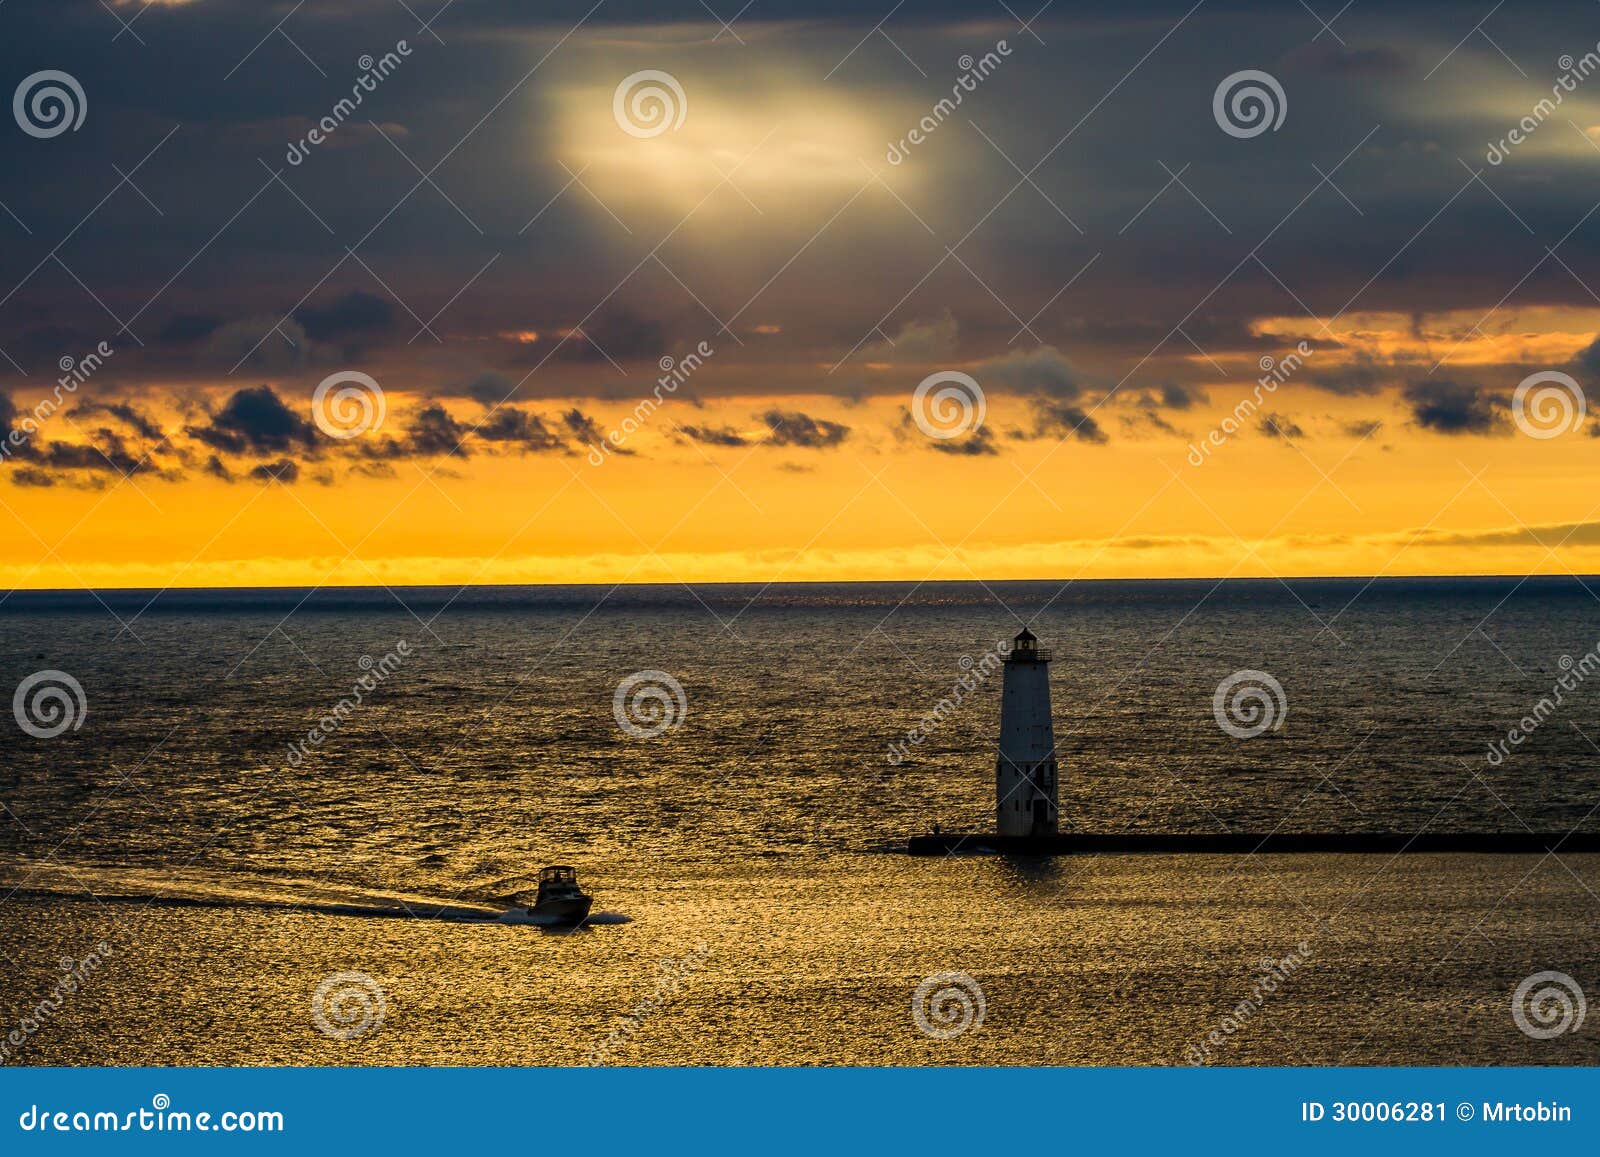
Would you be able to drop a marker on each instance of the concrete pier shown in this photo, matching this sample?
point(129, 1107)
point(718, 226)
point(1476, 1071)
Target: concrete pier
point(1244, 843)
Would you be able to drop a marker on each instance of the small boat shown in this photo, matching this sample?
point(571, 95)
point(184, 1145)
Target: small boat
point(560, 900)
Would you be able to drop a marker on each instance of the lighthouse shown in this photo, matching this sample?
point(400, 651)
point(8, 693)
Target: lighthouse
point(1025, 770)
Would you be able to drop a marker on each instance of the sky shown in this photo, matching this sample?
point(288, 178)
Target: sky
point(380, 291)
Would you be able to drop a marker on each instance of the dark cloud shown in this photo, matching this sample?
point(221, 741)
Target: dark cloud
point(1180, 397)
point(187, 328)
point(41, 348)
point(620, 336)
point(714, 435)
point(1053, 418)
point(30, 476)
point(283, 470)
point(1364, 429)
point(375, 470)
point(793, 428)
point(1589, 358)
point(142, 425)
point(1361, 375)
point(586, 430)
point(433, 433)
point(217, 469)
point(254, 420)
point(1281, 426)
point(489, 389)
point(1043, 370)
point(1126, 307)
point(354, 315)
point(509, 425)
point(1455, 407)
point(976, 444)
point(1333, 58)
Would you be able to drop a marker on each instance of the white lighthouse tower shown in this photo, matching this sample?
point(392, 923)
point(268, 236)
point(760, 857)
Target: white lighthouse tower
point(1025, 772)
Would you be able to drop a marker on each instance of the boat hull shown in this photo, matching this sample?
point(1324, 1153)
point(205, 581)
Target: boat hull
point(568, 910)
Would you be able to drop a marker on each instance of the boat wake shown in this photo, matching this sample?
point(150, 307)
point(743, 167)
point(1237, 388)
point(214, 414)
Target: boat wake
point(196, 888)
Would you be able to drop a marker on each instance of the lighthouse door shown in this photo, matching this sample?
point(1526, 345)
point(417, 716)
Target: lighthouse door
point(1041, 817)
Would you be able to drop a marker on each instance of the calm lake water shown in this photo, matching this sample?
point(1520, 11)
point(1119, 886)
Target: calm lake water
point(231, 862)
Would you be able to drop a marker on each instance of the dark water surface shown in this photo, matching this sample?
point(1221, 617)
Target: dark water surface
point(229, 878)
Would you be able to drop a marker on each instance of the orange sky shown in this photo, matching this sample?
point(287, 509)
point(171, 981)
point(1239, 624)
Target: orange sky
point(881, 505)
